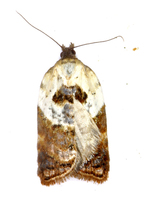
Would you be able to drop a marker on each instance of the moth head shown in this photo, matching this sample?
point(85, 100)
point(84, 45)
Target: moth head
point(68, 52)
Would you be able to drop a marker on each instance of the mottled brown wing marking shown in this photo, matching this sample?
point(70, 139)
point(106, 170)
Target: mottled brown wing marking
point(100, 120)
point(56, 151)
point(67, 93)
point(97, 168)
point(80, 94)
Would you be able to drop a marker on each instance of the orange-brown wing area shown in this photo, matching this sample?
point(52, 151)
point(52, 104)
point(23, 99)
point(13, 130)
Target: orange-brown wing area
point(97, 167)
point(56, 151)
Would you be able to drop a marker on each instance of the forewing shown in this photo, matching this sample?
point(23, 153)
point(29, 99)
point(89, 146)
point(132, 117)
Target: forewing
point(56, 145)
point(91, 132)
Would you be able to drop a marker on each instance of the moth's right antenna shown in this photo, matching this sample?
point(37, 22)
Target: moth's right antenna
point(39, 30)
point(100, 41)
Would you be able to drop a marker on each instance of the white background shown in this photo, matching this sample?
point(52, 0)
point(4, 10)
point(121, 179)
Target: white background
point(26, 54)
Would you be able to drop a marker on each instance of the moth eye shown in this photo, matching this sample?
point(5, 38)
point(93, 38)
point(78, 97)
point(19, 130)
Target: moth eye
point(61, 55)
point(73, 52)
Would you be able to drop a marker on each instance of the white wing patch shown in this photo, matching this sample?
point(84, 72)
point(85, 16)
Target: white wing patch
point(69, 74)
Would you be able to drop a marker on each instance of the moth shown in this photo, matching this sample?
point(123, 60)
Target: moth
point(72, 127)
point(72, 130)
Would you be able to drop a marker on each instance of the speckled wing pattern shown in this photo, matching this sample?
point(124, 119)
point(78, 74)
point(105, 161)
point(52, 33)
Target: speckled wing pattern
point(72, 130)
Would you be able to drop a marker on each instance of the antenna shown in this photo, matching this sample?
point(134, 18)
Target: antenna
point(100, 41)
point(39, 30)
point(70, 46)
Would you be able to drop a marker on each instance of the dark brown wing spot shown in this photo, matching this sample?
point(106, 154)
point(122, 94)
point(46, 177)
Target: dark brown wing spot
point(67, 93)
point(80, 94)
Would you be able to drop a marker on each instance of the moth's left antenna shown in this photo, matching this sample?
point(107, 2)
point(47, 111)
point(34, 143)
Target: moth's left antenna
point(39, 30)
